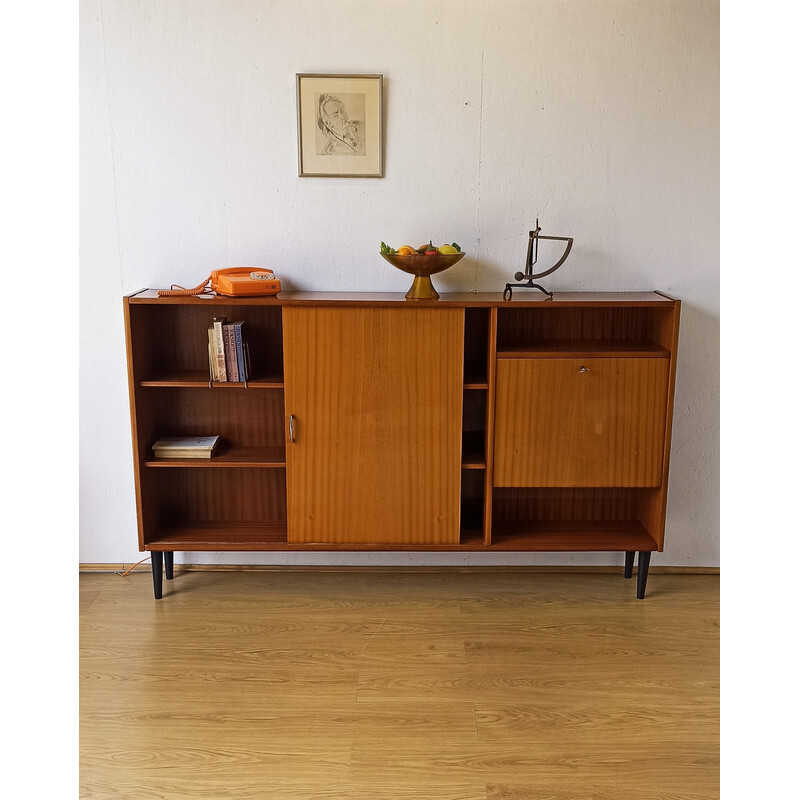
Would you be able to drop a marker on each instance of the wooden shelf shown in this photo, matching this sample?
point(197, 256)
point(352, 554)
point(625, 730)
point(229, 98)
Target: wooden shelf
point(584, 349)
point(227, 457)
point(199, 379)
point(201, 536)
point(475, 382)
point(509, 537)
point(207, 536)
point(571, 536)
point(471, 539)
point(472, 450)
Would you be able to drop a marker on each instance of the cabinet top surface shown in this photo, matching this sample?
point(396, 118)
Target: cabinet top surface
point(457, 299)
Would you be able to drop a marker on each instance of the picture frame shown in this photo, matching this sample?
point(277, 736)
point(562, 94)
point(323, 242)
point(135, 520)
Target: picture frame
point(339, 126)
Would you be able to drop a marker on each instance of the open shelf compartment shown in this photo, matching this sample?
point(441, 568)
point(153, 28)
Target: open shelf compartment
point(213, 509)
point(173, 347)
point(250, 425)
point(573, 519)
point(603, 331)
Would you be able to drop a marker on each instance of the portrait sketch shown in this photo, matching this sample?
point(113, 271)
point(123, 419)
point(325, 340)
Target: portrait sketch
point(340, 126)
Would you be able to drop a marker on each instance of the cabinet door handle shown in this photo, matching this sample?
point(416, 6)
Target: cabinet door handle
point(291, 427)
point(583, 369)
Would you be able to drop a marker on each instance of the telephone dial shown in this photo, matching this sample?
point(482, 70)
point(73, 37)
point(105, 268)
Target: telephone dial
point(233, 282)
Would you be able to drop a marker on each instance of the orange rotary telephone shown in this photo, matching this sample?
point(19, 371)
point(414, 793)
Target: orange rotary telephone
point(233, 282)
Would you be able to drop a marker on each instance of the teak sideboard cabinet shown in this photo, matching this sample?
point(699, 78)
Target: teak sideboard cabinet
point(370, 422)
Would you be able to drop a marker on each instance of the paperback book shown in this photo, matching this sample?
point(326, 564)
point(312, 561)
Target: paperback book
point(185, 446)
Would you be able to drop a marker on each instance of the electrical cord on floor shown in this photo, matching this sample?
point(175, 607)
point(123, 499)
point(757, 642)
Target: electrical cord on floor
point(128, 571)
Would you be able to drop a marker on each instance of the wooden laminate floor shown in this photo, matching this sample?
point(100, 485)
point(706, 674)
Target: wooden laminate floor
point(381, 685)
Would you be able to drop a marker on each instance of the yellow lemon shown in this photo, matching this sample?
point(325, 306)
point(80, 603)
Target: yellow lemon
point(447, 249)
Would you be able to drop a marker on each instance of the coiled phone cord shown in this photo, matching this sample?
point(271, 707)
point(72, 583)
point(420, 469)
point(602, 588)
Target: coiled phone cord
point(179, 291)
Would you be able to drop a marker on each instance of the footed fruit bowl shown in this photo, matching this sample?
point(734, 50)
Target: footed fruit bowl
point(422, 266)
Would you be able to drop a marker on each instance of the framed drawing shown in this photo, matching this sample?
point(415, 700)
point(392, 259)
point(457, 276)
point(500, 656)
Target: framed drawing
point(340, 126)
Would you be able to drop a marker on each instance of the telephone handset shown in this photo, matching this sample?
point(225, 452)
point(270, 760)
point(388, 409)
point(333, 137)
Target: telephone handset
point(233, 282)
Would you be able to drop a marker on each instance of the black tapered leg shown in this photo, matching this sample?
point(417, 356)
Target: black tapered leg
point(629, 556)
point(157, 562)
point(168, 562)
point(641, 575)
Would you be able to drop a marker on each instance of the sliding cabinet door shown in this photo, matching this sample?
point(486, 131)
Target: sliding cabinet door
point(373, 415)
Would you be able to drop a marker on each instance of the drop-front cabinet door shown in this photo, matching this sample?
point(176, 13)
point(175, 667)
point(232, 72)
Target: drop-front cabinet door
point(373, 433)
point(580, 422)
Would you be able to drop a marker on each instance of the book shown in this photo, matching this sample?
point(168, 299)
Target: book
point(185, 446)
point(246, 351)
point(212, 355)
point(231, 364)
point(238, 342)
point(219, 348)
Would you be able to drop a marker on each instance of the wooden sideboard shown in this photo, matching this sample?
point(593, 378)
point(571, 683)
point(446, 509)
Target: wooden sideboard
point(371, 422)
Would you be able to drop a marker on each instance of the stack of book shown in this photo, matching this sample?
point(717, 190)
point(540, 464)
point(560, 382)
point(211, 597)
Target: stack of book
point(185, 446)
point(228, 353)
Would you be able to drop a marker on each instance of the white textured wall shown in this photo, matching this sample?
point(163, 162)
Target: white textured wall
point(601, 117)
